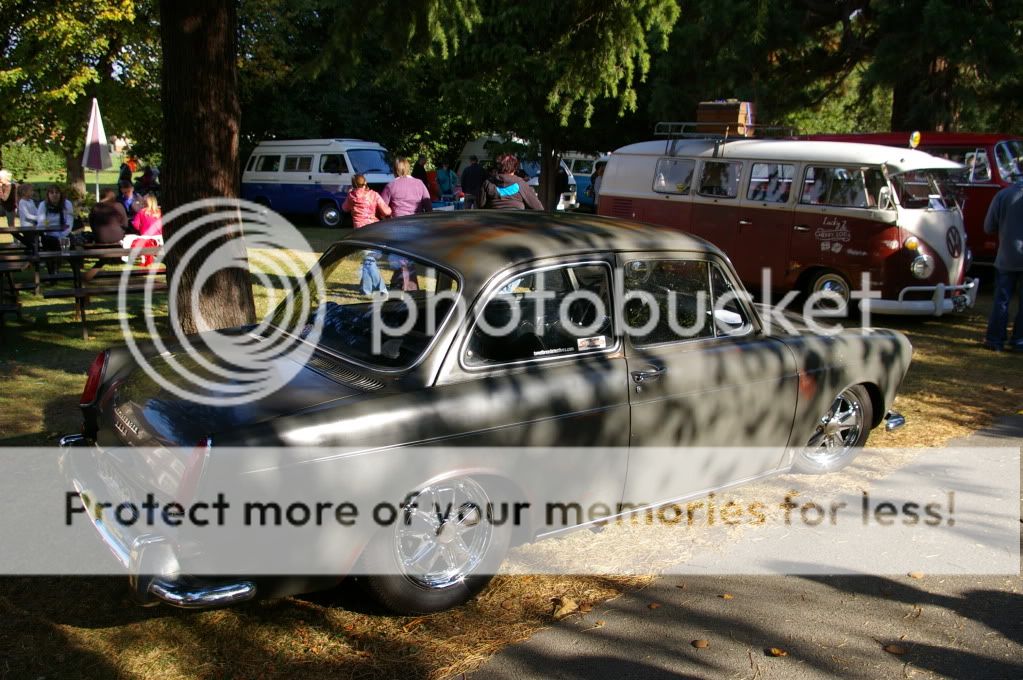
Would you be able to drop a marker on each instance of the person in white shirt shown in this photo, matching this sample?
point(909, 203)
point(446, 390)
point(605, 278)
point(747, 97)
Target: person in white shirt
point(27, 205)
point(56, 212)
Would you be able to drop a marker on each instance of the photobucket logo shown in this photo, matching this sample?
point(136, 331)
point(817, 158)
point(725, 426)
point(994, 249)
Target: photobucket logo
point(226, 368)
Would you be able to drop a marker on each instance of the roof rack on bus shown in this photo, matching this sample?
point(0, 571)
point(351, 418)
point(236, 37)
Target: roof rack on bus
point(677, 130)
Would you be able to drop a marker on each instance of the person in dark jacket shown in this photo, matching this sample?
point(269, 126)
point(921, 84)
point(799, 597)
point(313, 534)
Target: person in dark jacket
point(472, 180)
point(506, 191)
point(1005, 219)
point(419, 170)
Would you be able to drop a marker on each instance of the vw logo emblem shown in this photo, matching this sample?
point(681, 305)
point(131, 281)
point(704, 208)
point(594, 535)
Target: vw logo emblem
point(954, 241)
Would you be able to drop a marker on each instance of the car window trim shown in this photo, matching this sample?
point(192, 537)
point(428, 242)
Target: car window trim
point(754, 325)
point(488, 294)
point(442, 326)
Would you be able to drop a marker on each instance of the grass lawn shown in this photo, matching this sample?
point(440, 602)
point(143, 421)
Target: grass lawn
point(65, 627)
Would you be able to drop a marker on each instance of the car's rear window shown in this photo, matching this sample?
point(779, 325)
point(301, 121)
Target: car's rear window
point(355, 317)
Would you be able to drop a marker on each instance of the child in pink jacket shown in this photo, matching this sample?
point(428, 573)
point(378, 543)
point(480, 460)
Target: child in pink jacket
point(365, 204)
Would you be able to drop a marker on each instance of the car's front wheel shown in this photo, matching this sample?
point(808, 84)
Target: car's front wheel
point(839, 435)
point(442, 550)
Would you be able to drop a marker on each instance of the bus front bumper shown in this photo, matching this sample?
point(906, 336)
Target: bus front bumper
point(944, 299)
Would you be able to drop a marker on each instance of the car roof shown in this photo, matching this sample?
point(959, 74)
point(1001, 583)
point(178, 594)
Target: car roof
point(899, 160)
point(478, 243)
point(926, 138)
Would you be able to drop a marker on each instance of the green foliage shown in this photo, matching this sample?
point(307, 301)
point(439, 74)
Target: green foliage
point(24, 160)
point(58, 56)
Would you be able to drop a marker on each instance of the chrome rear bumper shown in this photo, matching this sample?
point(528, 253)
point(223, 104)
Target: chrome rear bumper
point(153, 570)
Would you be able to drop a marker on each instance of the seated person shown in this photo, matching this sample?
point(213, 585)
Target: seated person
point(108, 222)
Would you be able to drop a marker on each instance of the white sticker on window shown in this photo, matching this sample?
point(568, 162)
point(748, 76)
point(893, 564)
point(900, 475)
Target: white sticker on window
point(596, 342)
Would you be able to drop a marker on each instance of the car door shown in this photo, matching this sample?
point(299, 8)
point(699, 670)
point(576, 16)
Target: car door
point(520, 377)
point(705, 385)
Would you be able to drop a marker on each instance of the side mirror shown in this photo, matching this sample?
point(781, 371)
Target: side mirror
point(885, 200)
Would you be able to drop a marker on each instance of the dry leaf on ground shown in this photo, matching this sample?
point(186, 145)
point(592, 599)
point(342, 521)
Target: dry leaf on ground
point(897, 650)
point(563, 606)
point(700, 644)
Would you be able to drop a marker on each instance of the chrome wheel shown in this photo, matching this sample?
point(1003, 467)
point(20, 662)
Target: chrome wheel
point(836, 288)
point(838, 430)
point(330, 216)
point(443, 533)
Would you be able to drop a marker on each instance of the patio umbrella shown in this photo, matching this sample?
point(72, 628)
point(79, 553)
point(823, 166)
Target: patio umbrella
point(96, 155)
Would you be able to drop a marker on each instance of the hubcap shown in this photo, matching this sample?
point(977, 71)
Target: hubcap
point(331, 217)
point(837, 289)
point(838, 430)
point(443, 533)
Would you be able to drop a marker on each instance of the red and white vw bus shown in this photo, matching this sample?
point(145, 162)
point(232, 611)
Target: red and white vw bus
point(817, 215)
point(990, 162)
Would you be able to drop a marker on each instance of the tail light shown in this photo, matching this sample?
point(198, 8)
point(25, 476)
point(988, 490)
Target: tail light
point(95, 377)
point(189, 483)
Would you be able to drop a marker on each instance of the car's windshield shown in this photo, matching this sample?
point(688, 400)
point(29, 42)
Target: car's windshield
point(358, 321)
point(1009, 156)
point(929, 189)
point(365, 161)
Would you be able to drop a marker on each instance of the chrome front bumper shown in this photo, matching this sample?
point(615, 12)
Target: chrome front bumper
point(153, 570)
point(944, 299)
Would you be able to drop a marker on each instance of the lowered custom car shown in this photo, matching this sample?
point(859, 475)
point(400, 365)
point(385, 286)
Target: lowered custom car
point(458, 360)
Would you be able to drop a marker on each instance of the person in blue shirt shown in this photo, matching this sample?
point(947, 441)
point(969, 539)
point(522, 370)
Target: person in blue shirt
point(128, 200)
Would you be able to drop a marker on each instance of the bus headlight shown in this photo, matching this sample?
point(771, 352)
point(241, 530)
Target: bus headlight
point(922, 266)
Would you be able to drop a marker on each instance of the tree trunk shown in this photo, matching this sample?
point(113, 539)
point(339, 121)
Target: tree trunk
point(201, 117)
point(75, 174)
point(550, 164)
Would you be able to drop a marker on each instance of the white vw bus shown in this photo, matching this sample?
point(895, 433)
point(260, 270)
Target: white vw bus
point(312, 176)
point(816, 215)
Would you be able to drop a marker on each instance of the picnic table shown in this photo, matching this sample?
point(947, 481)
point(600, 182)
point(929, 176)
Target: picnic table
point(35, 232)
point(81, 290)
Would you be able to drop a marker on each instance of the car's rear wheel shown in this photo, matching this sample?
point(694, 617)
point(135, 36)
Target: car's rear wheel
point(330, 215)
point(840, 433)
point(440, 553)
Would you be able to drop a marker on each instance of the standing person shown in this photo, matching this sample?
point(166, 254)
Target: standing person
point(1005, 218)
point(471, 181)
point(124, 172)
point(365, 206)
point(406, 195)
point(419, 171)
point(128, 200)
point(8, 196)
point(446, 181)
point(507, 191)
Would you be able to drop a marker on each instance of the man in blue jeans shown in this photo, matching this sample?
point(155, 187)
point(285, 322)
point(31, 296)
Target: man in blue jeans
point(1005, 218)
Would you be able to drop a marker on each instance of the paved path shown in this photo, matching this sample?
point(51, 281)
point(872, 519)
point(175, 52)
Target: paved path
point(962, 626)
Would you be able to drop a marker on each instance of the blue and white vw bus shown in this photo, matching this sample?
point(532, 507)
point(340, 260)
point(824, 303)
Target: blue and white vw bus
point(312, 176)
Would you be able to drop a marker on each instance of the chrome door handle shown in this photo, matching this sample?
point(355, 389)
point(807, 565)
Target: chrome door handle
point(745, 223)
point(801, 227)
point(652, 373)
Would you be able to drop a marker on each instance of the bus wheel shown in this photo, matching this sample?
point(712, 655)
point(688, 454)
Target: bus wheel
point(330, 215)
point(828, 289)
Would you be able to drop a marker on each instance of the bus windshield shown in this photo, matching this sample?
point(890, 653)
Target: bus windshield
point(919, 189)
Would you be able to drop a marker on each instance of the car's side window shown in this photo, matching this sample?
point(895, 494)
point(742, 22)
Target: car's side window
point(333, 163)
point(558, 311)
point(298, 163)
point(771, 182)
point(729, 316)
point(674, 175)
point(720, 179)
point(674, 300)
point(666, 301)
point(269, 163)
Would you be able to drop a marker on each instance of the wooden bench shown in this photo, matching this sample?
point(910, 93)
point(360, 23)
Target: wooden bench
point(81, 296)
point(9, 303)
point(105, 274)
